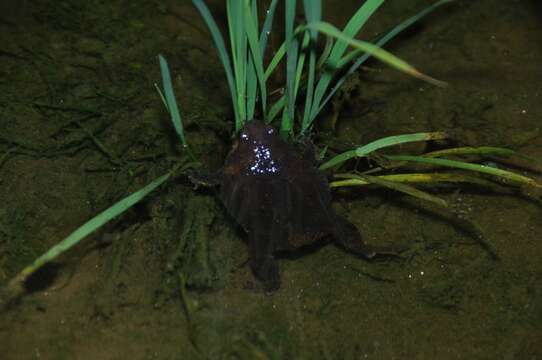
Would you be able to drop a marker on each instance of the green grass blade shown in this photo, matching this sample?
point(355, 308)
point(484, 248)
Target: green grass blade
point(410, 21)
point(313, 13)
point(394, 185)
point(251, 89)
point(305, 125)
point(252, 81)
point(169, 99)
point(223, 56)
point(375, 51)
point(503, 174)
point(267, 24)
point(279, 55)
point(354, 54)
point(325, 52)
point(276, 109)
point(256, 57)
point(285, 123)
point(292, 50)
point(381, 42)
point(382, 143)
point(398, 139)
point(491, 151)
point(301, 63)
point(469, 150)
point(416, 178)
point(238, 40)
point(90, 226)
point(351, 30)
point(162, 97)
point(264, 35)
point(339, 159)
point(353, 27)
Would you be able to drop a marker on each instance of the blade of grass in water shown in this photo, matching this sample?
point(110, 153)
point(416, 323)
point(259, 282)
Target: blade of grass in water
point(292, 48)
point(223, 56)
point(264, 35)
point(351, 30)
point(469, 150)
point(238, 43)
point(301, 63)
point(276, 109)
point(465, 224)
point(87, 228)
point(397, 186)
point(267, 24)
point(416, 178)
point(279, 55)
point(379, 144)
point(504, 174)
point(257, 60)
point(170, 99)
point(375, 51)
point(313, 13)
point(381, 42)
point(252, 82)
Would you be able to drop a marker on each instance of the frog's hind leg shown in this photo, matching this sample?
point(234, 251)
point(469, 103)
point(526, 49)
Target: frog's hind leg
point(347, 235)
point(262, 262)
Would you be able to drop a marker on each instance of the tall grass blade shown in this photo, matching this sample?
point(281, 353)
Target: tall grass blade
point(87, 228)
point(292, 49)
point(277, 107)
point(394, 185)
point(481, 151)
point(279, 55)
point(223, 56)
point(252, 81)
point(504, 174)
point(169, 99)
point(256, 57)
point(375, 51)
point(351, 30)
point(301, 63)
point(382, 143)
point(313, 13)
point(416, 178)
point(267, 24)
point(238, 41)
point(380, 43)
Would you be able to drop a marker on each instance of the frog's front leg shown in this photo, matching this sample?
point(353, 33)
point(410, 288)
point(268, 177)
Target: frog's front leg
point(204, 179)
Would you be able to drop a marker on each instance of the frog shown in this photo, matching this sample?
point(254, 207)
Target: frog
point(282, 201)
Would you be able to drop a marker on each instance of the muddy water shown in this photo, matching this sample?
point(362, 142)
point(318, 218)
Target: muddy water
point(81, 126)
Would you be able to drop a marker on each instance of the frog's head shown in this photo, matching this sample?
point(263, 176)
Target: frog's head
point(259, 145)
point(256, 132)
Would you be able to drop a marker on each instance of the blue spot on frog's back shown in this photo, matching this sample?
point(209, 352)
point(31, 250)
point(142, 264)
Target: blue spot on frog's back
point(263, 163)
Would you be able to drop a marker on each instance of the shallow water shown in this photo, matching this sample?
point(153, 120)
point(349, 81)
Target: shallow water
point(82, 126)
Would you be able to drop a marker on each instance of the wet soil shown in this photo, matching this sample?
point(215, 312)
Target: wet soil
point(81, 126)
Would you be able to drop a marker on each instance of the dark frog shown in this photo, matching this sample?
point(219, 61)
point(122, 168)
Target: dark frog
point(281, 200)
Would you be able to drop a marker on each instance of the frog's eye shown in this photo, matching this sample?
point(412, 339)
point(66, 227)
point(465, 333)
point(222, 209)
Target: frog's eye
point(244, 136)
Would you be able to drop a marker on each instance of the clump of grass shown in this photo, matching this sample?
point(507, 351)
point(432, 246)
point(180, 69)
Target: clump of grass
point(322, 83)
point(530, 187)
point(308, 73)
point(247, 75)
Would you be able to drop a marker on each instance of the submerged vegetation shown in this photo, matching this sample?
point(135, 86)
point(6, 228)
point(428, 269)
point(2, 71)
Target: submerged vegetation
point(312, 79)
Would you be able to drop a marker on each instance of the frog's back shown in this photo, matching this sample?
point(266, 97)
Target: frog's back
point(274, 192)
